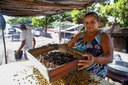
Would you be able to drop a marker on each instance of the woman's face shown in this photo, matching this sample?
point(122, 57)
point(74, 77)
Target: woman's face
point(91, 23)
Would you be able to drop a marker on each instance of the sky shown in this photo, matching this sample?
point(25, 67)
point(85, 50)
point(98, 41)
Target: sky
point(6, 17)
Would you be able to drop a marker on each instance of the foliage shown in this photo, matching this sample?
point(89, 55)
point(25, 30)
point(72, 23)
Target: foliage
point(63, 24)
point(118, 10)
point(76, 14)
point(106, 2)
point(20, 20)
point(41, 22)
point(38, 22)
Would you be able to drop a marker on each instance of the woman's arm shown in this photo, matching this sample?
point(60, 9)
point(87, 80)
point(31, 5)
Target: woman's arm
point(72, 42)
point(107, 57)
point(108, 48)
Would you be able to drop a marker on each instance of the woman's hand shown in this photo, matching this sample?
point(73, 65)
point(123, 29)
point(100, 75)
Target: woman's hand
point(87, 61)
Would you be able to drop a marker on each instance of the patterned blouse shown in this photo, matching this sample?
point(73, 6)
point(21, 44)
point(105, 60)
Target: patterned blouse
point(94, 47)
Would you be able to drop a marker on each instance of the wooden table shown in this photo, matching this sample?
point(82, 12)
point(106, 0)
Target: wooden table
point(21, 73)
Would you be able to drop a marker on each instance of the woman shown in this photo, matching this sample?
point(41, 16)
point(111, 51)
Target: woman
point(97, 45)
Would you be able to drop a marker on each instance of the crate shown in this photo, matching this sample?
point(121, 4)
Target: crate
point(54, 73)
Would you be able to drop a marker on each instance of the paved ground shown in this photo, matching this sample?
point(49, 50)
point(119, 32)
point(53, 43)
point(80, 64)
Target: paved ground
point(12, 46)
point(51, 38)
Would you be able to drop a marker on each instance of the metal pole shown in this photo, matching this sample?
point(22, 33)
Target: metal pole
point(46, 25)
point(59, 34)
point(4, 47)
point(60, 39)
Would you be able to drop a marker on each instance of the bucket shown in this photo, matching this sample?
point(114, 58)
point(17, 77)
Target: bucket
point(18, 55)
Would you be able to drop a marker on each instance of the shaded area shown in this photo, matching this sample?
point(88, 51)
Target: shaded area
point(42, 7)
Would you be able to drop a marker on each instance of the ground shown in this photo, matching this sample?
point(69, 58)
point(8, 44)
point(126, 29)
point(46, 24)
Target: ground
point(42, 40)
point(12, 46)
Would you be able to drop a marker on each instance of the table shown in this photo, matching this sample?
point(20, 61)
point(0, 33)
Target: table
point(21, 73)
point(117, 77)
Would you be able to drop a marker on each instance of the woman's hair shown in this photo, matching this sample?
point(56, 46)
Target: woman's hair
point(93, 14)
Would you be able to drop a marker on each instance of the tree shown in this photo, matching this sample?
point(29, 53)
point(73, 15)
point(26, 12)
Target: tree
point(41, 22)
point(38, 22)
point(118, 11)
point(76, 14)
point(20, 20)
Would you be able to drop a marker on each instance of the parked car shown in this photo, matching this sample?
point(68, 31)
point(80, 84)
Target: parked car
point(14, 33)
point(11, 30)
point(15, 36)
point(37, 32)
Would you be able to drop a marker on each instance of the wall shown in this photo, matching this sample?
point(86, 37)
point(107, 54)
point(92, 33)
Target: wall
point(120, 44)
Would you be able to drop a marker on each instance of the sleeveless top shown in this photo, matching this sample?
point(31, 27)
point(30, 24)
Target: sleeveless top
point(94, 48)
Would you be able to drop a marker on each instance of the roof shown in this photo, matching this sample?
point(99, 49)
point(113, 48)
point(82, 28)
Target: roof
point(120, 33)
point(41, 7)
